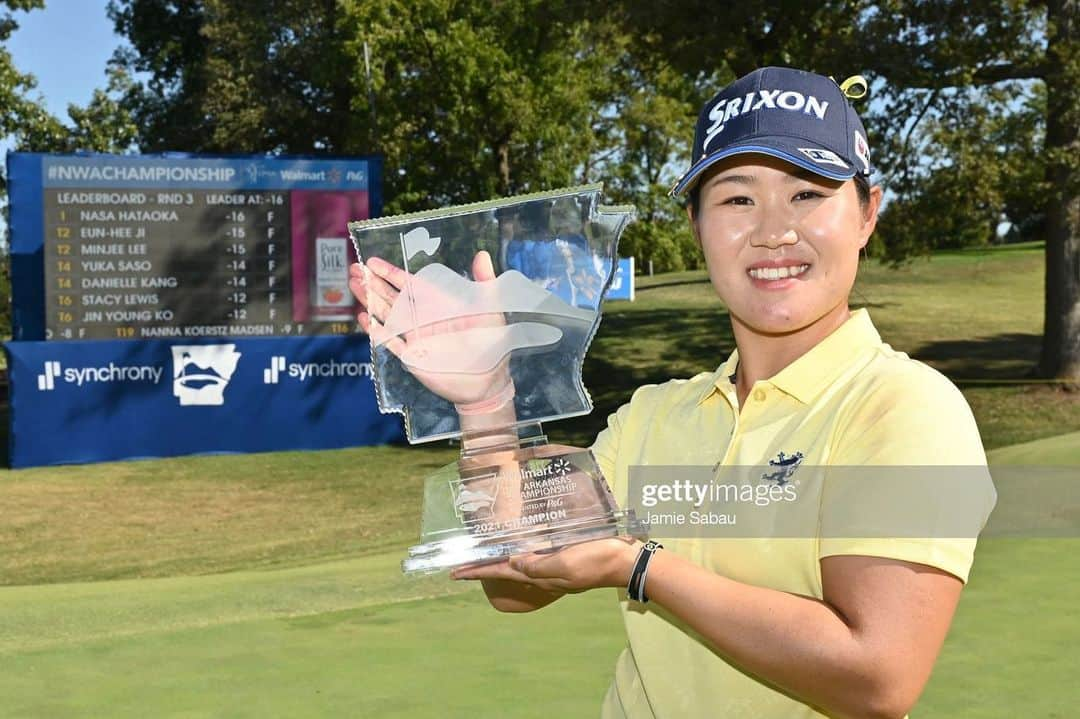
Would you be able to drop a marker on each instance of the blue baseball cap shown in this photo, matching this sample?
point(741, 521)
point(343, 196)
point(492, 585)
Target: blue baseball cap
point(797, 116)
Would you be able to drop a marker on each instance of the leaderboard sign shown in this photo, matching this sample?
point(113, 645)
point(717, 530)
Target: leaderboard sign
point(183, 247)
point(176, 304)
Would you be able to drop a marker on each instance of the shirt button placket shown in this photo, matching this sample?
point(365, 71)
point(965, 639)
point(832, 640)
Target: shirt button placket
point(733, 433)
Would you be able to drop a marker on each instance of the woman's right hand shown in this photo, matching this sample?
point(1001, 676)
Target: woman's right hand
point(378, 289)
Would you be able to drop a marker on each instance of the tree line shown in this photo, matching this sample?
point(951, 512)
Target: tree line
point(972, 112)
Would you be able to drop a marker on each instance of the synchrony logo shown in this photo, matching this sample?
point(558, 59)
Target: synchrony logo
point(303, 371)
point(46, 381)
point(104, 374)
point(202, 372)
point(271, 373)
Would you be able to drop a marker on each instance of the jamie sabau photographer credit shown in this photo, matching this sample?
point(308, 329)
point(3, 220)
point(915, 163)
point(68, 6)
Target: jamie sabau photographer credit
point(780, 198)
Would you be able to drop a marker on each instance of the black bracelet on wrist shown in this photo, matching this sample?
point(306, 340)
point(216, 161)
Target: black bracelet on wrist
point(636, 586)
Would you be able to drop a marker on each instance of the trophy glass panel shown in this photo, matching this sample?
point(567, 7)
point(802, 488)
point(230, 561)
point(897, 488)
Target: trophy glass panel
point(452, 328)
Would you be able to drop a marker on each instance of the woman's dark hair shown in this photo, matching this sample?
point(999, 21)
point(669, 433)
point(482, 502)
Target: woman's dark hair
point(862, 189)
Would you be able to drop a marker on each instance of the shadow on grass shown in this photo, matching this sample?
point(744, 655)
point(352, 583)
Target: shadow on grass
point(863, 303)
point(1008, 357)
point(640, 348)
point(678, 283)
point(995, 249)
point(633, 349)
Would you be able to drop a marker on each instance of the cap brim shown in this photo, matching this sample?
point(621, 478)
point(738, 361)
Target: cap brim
point(782, 148)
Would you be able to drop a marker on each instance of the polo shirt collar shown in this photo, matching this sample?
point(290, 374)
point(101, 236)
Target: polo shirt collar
point(723, 379)
point(805, 378)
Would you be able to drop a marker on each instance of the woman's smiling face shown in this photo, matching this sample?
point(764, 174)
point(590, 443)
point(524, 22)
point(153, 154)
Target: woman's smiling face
point(781, 243)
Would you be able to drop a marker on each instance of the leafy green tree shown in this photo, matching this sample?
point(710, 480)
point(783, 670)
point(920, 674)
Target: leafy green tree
point(682, 53)
point(959, 173)
point(235, 75)
point(1025, 193)
point(17, 113)
point(943, 56)
point(474, 100)
point(940, 62)
point(646, 148)
point(103, 125)
point(464, 100)
point(701, 38)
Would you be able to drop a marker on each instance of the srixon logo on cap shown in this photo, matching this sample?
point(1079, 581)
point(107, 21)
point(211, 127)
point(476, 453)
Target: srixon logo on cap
point(790, 100)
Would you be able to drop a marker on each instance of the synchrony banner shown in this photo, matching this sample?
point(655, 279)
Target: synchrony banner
point(92, 401)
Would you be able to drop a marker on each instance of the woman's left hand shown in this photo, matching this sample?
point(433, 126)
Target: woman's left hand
point(576, 568)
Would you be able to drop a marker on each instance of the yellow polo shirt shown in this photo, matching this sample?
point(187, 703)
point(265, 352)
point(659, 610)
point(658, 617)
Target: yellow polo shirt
point(851, 401)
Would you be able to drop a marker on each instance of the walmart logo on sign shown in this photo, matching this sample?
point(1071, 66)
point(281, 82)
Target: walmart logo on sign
point(307, 370)
point(202, 372)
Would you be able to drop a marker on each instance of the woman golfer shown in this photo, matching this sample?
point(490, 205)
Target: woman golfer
point(828, 622)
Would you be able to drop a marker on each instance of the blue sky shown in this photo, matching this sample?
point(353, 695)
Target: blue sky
point(65, 46)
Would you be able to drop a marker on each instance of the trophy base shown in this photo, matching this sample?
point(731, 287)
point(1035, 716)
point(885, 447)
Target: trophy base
point(515, 500)
point(470, 550)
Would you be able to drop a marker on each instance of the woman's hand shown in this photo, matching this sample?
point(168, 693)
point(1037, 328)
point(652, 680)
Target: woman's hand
point(384, 284)
point(576, 568)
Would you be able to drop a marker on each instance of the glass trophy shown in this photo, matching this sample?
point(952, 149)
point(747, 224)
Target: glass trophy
point(481, 317)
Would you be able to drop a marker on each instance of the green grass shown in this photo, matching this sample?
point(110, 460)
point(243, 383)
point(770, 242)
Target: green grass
point(973, 314)
point(1062, 449)
point(267, 585)
point(198, 515)
point(1011, 651)
point(349, 638)
point(355, 638)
